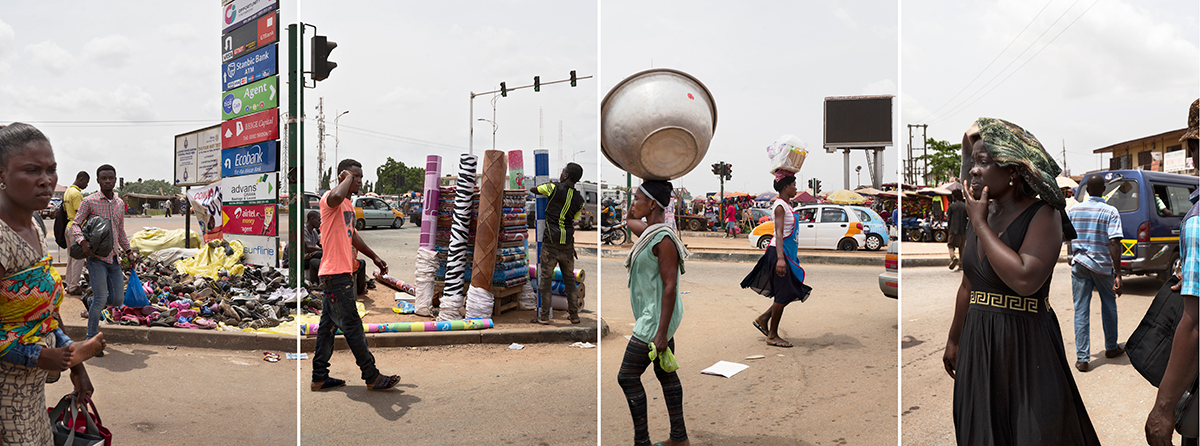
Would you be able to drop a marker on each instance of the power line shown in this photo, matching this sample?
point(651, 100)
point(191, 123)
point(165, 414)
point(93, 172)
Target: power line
point(989, 65)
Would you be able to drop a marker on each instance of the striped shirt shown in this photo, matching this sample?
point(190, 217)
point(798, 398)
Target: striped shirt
point(1097, 222)
point(114, 210)
point(1189, 251)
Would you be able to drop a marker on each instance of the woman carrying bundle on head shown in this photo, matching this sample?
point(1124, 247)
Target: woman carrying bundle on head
point(778, 274)
point(654, 266)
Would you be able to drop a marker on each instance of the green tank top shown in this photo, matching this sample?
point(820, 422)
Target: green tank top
point(645, 294)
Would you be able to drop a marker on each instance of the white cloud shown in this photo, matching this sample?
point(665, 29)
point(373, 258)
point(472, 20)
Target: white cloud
point(8, 46)
point(49, 56)
point(846, 18)
point(112, 51)
point(884, 86)
point(178, 32)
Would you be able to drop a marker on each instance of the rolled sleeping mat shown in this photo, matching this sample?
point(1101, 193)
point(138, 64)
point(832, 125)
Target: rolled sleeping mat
point(410, 327)
point(541, 175)
point(429, 206)
point(491, 191)
point(456, 266)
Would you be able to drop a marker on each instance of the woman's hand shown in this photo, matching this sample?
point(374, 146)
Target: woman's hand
point(950, 357)
point(977, 210)
point(781, 267)
point(83, 384)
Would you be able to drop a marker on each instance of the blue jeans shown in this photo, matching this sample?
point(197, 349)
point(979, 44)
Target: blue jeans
point(108, 289)
point(27, 355)
point(1082, 282)
point(338, 311)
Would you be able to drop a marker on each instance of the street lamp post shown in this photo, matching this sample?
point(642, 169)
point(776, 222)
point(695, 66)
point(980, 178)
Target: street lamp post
point(336, 140)
point(494, 127)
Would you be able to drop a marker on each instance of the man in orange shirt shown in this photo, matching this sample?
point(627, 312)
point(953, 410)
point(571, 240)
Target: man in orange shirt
point(339, 261)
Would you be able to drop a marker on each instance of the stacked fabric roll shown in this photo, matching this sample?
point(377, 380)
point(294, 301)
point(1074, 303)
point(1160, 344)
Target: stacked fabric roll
point(445, 215)
point(511, 256)
point(558, 289)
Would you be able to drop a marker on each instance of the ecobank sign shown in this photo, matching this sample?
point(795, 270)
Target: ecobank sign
point(246, 160)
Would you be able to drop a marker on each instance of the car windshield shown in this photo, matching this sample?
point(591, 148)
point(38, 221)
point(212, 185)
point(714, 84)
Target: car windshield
point(1121, 194)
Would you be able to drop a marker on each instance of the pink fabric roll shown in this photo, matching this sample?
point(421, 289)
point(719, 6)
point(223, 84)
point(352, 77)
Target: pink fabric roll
point(516, 170)
point(429, 208)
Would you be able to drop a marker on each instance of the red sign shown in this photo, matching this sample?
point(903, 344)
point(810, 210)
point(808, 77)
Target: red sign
point(259, 127)
point(266, 29)
point(249, 219)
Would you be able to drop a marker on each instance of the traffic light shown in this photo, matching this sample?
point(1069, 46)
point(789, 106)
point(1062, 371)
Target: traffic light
point(572, 78)
point(728, 171)
point(816, 186)
point(503, 90)
point(321, 66)
point(537, 84)
point(716, 169)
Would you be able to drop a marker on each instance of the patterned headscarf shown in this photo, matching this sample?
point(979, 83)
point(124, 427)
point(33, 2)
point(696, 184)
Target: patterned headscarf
point(1010, 145)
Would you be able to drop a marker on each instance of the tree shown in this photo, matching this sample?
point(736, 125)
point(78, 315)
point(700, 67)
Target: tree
point(325, 178)
point(412, 178)
point(944, 161)
point(150, 187)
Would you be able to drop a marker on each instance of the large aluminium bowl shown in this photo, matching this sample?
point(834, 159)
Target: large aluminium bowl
point(657, 124)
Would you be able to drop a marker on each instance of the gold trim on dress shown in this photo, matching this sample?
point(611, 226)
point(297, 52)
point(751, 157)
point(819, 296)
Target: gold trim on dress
point(1017, 303)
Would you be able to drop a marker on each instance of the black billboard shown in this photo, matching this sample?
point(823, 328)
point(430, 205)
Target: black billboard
point(858, 121)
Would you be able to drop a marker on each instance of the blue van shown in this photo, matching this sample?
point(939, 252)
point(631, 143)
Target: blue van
point(1152, 205)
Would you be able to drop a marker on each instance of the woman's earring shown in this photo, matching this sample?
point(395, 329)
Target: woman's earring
point(1010, 181)
point(3, 186)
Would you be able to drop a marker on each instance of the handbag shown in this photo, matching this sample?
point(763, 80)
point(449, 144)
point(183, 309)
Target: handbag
point(1149, 347)
point(85, 428)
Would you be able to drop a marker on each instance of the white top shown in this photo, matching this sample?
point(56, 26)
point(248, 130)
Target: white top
point(789, 219)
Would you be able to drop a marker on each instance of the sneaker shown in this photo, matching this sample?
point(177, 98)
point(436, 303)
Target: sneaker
point(1114, 352)
point(1082, 366)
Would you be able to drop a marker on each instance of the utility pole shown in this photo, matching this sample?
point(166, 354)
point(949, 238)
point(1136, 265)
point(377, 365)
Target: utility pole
point(320, 137)
point(541, 132)
point(1064, 158)
point(913, 174)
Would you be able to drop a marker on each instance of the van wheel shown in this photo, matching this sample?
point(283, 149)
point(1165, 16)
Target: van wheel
point(848, 244)
point(764, 242)
point(360, 224)
point(1175, 266)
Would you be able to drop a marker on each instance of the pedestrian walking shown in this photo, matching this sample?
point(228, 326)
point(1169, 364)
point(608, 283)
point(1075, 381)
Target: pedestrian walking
point(563, 207)
point(1095, 263)
point(654, 265)
point(1183, 365)
point(341, 245)
point(778, 274)
point(957, 228)
point(33, 345)
point(167, 207)
point(1012, 383)
point(72, 199)
point(104, 273)
point(730, 220)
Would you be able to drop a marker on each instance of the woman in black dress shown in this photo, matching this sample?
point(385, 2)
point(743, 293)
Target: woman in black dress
point(1012, 385)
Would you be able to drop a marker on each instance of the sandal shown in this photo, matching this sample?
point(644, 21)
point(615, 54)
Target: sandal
point(384, 382)
point(574, 319)
point(538, 320)
point(761, 329)
point(780, 343)
point(329, 383)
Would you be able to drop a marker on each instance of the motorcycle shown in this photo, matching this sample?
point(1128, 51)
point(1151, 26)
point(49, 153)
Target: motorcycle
point(923, 230)
point(613, 235)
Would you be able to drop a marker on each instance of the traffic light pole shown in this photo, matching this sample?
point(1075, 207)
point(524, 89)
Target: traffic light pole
point(295, 137)
point(471, 118)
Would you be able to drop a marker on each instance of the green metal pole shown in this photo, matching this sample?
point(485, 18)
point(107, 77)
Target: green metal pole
point(295, 199)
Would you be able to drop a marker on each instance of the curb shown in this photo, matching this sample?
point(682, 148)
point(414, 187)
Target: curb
point(747, 257)
point(487, 336)
point(187, 338)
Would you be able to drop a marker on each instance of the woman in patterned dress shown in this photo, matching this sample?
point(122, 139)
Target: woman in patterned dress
point(30, 292)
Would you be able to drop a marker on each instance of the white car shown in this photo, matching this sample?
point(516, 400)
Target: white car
point(820, 226)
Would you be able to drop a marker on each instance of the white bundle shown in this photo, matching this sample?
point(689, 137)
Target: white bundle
point(787, 153)
point(426, 269)
point(528, 298)
point(479, 303)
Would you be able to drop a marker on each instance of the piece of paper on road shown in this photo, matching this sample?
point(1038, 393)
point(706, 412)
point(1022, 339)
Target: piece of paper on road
point(724, 368)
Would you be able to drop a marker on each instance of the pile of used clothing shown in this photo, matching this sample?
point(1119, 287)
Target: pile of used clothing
point(256, 298)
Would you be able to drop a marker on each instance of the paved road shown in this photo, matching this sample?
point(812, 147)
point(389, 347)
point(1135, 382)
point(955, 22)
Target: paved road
point(151, 395)
point(544, 394)
point(1116, 396)
point(837, 386)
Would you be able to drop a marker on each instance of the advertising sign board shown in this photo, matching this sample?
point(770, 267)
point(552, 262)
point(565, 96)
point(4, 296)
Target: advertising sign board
point(252, 189)
point(259, 64)
point(252, 98)
point(259, 250)
point(255, 35)
point(258, 127)
point(240, 12)
point(252, 159)
point(1174, 161)
point(198, 156)
point(249, 219)
point(206, 203)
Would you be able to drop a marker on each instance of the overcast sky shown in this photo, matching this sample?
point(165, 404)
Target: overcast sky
point(1121, 70)
point(405, 70)
point(769, 66)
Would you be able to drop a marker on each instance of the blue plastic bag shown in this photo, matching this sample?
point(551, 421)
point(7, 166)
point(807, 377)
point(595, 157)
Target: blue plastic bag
point(135, 295)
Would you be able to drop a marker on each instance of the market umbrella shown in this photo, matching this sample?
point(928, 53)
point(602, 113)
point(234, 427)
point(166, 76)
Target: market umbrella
point(933, 191)
point(736, 194)
point(805, 197)
point(952, 186)
point(843, 196)
point(869, 191)
point(766, 196)
point(1066, 182)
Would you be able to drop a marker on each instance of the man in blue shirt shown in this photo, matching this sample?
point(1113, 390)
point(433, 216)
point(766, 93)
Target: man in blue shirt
point(1096, 263)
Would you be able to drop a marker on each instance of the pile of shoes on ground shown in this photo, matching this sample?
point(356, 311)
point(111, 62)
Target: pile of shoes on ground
point(256, 299)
